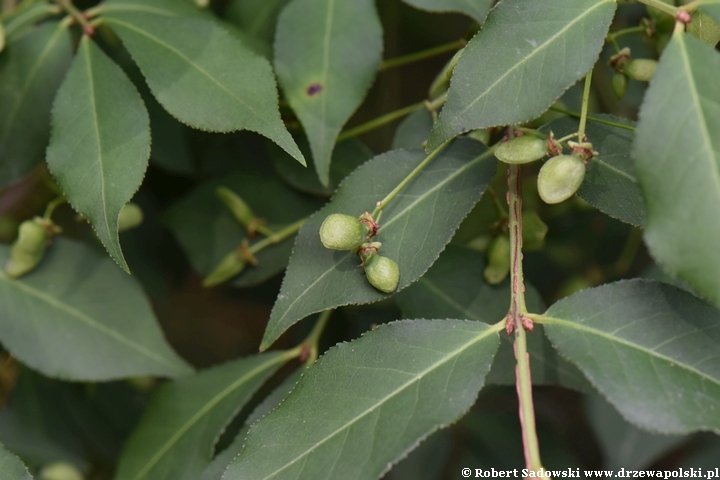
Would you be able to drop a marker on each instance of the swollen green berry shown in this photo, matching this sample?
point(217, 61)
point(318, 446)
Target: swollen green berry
point(28, 249)
point(131, 216)
point(498, 257)
point(60, 471)
point(342, 232)
point(382, 273)
point(525, 149)
point(619, 84)
point(641, 69)
point(560, 177)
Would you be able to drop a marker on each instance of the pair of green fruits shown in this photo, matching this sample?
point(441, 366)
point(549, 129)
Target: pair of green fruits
point(559, 178)
point(345, 232)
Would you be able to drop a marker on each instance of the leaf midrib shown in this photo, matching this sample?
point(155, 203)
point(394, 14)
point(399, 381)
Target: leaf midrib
point(542, 47)
point(491, 329)
point(577, 326)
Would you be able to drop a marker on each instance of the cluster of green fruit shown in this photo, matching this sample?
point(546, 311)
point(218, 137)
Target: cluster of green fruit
point(640, 69)
point(345, 232)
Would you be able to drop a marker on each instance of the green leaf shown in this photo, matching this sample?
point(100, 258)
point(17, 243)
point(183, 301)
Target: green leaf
point(100, 142)
point(207, 231)
point(24, 16)
point(171, 146)
point(327, 53)
point(476, 9)
point(649, 348)
point(176, 436)
point(454, 288)
point(712, 8)
point(256, 17)
point(677, 155)
point(527, 54)
point(414, 130)
point(31, 70)
point(610, 183)
point(414, 228)
point(77, 317)
point(365, 404)
point(155, 7)
point(11, 468)
point(346, 157)
point(202, 75)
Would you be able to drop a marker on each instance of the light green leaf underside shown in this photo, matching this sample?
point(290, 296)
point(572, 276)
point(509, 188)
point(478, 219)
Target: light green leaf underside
point(650, 348)
point(31, 70)
point(11, 468)
point(178, 431)
point(525, 56)
point(366, 403)
point(476, 9)
point(677, 156)
point(100, 142)
point(77, 317)
point(414, 228)
point(454, 288)
point(712, 8)
point(610, 184)
point(202, 75)
point(327, 53)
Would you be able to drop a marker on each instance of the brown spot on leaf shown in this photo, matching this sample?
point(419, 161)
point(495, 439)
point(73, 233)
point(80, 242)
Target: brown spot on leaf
point(313, 89)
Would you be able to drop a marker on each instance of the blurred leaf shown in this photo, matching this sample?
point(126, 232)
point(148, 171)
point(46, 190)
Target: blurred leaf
point(624, 445)
point(677, 155)
point(11, 468)
point(326, 56)
point(413, 130)
point(454, 288)
point(77, 317)
point(31, 70)
point(649, 348)
point(100, 142)
point(428, 460)
point(202, 75)
point(414, 228)
point(524, 58)
point(476, 9)
point(170, 147)
point(157, 7)
point(367, 403)
point(175, 437)
point(346, 157)
point(256, 17)
point(711, 8)
point(207, 231)
point(23, 18)
point(610, 184)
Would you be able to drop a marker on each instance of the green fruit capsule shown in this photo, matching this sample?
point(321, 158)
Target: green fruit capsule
point(232, 264)
point(342, 232)
point(60, 471)
point(641, 69)
point(240, 210)
point(28, 249)
point(560, 177)
point(498, 257)
point(525, 149)
point(131, 216)
point(382, 273)
point(619, 84)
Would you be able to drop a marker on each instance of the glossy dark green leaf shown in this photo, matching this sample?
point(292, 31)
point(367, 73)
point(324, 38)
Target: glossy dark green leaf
point(176, 436)
point(256, 17)
point(202, 75)
point(610, 183)
point(414, 130)
point(207, 231)
point(414, 228)
point(677, 156)
point(327, 53)
point(454, 287)
point(11, 468)
point(31, 70)
point(527, 54)
point(624, 445)
point(346, 157)
point(650, 348)
point(366, 403)
point(77, 317)
point(100, 142)
point(477, 9)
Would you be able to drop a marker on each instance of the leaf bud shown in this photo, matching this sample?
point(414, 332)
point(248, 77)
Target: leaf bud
point(240, 210)
point(560, 177)
point(343, 232)
point(619, 84)
point(641, 69)
point(498, 258)
point(519, 150)
point(131, 216)
point(382, 273)
point(231, 265)
point(60, 471)
point(29, 247)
